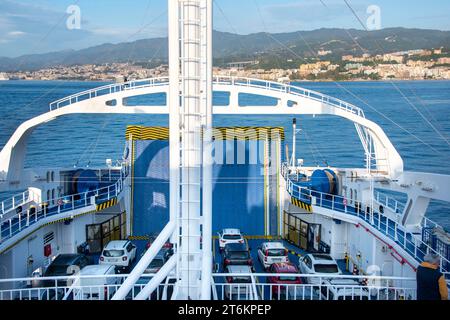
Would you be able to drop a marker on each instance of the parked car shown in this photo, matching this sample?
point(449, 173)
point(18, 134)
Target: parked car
point(344, 289)
point(319, 264)
point(239, 287)
point(284, 284)
point(229, 235)
point(157, 262)
point(236, 254)
point(152, 239)
point(62, 265)
point(65, 265)
point(98, 288)
point(272, 252)
point(120, 253)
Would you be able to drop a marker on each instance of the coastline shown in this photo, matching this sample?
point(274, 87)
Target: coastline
point(291, 81)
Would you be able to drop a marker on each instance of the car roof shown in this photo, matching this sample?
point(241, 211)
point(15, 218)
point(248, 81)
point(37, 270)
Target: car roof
point(116, 245)
point(66, 258)
point(239, 269)
point(236, 247)
point(273, 245)
point(285, 267)
point(231, 231)
point(96, 269)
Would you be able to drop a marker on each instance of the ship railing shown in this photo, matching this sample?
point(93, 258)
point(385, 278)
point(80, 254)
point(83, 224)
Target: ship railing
point(259, 286)
point(222, 80)
point(108, 89)
point(15, 224)
point(428, 223)
point(406, 240)
point(383, 199)
point(17, 201)
point(289, 89)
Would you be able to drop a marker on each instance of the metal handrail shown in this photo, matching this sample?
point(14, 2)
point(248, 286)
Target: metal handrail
point(428, 223)
point(393, 204)
point(112, 88)
point(19, 225)
point(15, 201)
point(227, 80)
point(287, 88)
point(297, 192)
point(63, 286)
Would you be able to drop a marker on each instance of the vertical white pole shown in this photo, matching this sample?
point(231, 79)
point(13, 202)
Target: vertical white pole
point(207, 161)
point(191, 159)
point(173, 101)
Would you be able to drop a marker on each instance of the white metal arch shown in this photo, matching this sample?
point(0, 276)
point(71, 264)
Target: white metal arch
point(303, 102)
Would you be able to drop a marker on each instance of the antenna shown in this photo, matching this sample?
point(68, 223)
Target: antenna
point(294, 140)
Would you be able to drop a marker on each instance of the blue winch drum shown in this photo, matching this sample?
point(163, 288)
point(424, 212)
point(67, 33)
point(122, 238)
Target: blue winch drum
point(85, 181)
point(324, 181)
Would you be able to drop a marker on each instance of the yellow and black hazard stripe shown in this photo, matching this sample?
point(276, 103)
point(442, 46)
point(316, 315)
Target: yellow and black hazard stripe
point(139, 238)
point(69, 218)
point(147, 133)
point(106, 204)
point(301, 204)
point(219, 133)
point(248, 133)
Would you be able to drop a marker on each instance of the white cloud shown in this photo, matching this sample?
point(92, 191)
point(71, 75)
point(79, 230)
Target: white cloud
point(16, 33)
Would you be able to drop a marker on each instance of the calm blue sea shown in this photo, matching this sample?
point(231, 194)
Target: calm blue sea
point(409, 112)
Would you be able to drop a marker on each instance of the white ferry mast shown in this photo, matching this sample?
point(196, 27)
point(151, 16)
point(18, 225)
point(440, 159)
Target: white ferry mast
point(190, 119)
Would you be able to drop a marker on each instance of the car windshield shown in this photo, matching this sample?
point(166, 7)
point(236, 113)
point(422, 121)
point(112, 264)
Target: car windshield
point(238, 255)
point(231, 236)
point(287, 278)
point(326, 268)
point(276, 252)
point(156, 263)
point(113, 253)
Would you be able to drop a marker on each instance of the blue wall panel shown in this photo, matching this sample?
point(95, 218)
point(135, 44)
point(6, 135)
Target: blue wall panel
point(238, 189)
point(151, 187)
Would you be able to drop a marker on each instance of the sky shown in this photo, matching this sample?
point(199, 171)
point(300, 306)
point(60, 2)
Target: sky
point(38, 26)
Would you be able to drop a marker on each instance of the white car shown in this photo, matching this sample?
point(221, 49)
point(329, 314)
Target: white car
point(272, 252)
point(344, 289)
point(120, 253)
point(318, 264)
point(239, 287)
point(100, 287)
point(227, 236)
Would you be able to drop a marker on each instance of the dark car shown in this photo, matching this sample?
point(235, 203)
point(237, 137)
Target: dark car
point(65, 265)
point(158, 261)
point(236, 254)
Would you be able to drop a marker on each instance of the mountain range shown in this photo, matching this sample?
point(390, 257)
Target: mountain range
point(232, 47)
